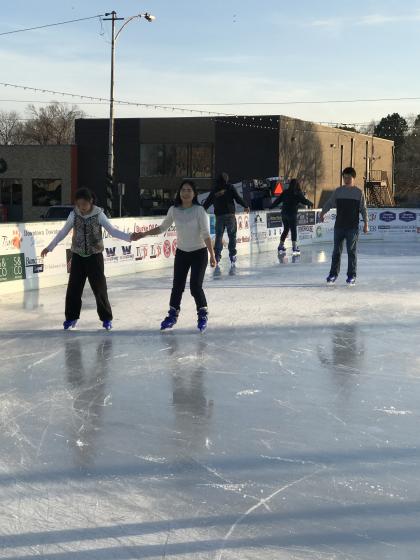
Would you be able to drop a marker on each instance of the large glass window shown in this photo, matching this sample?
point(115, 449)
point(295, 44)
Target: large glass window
point(46, 192)
point(152, 160)
point(201, 160)
point(11, 192)
point(176, 160)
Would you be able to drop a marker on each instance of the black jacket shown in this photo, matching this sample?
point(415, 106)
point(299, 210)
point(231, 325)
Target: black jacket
point(291, 202)
point(223, 199)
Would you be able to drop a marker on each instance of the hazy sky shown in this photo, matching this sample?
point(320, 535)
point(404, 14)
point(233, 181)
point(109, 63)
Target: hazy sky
point(214, 51)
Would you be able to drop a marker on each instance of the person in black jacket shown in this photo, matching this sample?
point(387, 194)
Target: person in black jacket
point(223, 198)
point(290, 198)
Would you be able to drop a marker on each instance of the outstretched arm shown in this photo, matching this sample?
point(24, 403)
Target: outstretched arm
point(331, 203)
point(305, 201)
point(106, 224)
point(238, 198)
point(62, 234)
point(167, 222)
point(277, 201)
point(209, 201)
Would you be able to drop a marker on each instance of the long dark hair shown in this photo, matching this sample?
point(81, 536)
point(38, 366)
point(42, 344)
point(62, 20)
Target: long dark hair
point(178, 201)
point(294, 186)
point(85, 194)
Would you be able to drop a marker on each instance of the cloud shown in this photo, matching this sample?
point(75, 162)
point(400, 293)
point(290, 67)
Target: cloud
point(367, 20)
point(381, 19)
point(331, 22)
point(232, 59)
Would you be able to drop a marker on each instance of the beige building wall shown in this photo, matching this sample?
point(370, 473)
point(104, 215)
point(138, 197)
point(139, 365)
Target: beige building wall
point(315, 154)
point(25, 163)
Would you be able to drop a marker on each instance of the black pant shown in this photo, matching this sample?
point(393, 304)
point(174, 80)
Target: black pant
point(197, 261)
point(91, 268)
point(289, 224)
point(351, 236)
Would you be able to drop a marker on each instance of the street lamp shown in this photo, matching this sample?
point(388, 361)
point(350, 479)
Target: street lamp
point(110, 171)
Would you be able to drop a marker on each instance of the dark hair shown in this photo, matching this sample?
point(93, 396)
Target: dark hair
point(85, 194)
point(350, 171)
point(222, 180)
point(294, 186)
point(178, 201)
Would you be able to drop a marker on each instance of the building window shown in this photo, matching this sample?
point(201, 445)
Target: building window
point(152, 160)
point(176, 160)
point(201, 160)
point(11, 192)
point(46, 192)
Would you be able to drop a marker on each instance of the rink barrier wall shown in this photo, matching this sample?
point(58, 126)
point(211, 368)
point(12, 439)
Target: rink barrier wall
point(23, 269)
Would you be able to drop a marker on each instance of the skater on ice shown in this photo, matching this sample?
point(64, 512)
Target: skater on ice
point(223, 198)
point(349, 201)
point(87, 261)
point(193, 245)
point(290, 200)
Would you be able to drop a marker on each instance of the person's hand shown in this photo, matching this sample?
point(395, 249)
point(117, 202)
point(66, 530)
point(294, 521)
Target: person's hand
point(136, 236)
point(321, 218)
point(213, 262)
point(366, 228)
point(44, 252)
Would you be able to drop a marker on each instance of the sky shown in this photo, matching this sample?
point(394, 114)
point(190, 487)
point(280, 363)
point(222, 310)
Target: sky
point(220, 54)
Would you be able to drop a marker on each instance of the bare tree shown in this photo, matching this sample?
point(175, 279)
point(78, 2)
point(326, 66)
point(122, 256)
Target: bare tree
point(301, 154)
point(53, 124)
point(11, 128)
point(368, 129)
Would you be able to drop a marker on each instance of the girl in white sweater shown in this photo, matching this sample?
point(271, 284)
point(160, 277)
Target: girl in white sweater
point(193, 245)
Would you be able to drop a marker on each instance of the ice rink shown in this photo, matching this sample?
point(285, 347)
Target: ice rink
point(289, 430)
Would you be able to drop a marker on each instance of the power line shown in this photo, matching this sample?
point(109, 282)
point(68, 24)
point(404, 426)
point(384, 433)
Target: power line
point(118, 101)
point(51, 101)
point(312, 102)
point(247, 121)
point(50, 25)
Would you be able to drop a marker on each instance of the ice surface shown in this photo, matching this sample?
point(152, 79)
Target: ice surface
point(289, 430)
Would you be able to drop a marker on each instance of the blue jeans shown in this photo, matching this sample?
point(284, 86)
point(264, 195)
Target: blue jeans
point(228, 222)
point(351, 236)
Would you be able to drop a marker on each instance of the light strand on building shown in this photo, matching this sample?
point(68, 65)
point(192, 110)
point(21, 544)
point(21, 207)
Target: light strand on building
point(243, 121)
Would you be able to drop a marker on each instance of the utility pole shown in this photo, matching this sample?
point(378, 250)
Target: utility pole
point(110, 168)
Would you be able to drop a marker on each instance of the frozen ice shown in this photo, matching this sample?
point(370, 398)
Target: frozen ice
point(289, 430)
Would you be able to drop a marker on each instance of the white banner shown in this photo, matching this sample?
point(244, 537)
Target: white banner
point(22, 268)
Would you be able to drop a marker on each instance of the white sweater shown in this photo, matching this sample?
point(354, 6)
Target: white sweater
point(192, 226)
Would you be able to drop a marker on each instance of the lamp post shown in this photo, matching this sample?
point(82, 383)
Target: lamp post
point(114, 36)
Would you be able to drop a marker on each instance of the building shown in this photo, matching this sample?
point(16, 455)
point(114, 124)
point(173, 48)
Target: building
point(33, 178)
point(152, 155)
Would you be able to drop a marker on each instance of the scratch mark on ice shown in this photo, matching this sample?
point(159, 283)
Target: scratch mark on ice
point(247, 392)
point(263, 502)
point(42, 360)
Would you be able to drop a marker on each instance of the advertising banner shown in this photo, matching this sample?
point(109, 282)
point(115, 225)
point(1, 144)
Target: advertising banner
point(22, 268)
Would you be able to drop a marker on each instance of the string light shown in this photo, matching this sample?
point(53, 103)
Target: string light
point(385, 131)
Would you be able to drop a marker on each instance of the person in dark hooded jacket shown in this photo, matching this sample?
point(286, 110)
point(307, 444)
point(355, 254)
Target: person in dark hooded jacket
point(290, 200)
point(223, 198)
